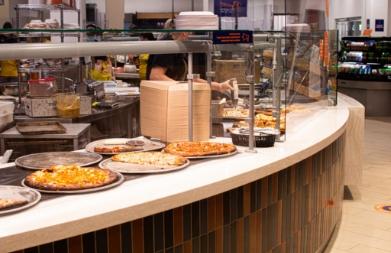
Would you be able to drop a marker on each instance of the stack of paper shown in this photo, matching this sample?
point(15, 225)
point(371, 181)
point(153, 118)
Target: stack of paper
point(197, 20)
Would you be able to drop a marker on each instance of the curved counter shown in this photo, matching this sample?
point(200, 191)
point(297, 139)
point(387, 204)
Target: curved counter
point(288, 197)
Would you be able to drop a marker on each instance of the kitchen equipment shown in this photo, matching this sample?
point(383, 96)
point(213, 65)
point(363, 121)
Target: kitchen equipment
point(45, 87)
point(263, 137)
point(68, 105)
point(48, 159)
point(12, 89)
point(40, 127)
point(128, 68)
point(217, 109)
point(40, 107)
point(6, 114)
point(85, 105)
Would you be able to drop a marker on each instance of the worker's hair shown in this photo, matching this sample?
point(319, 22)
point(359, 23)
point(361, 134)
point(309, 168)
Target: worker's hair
point(169, 24)
point(7, 25)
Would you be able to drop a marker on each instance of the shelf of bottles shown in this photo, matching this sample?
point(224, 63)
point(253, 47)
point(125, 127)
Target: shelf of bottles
point(364, 58)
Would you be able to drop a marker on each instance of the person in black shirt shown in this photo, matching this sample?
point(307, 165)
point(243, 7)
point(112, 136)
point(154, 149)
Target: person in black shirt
point(173, 67)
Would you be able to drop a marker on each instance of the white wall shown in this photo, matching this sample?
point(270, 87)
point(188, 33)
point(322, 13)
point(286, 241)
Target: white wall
point(377, 9)
point(259, 16)
point(347, 8)
point(389, 18)
point(132, 6)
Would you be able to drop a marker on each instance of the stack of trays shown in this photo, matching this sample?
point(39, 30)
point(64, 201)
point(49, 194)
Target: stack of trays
point(197, 20)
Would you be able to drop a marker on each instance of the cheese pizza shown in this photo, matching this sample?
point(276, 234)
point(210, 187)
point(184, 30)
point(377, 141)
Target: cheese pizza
point(70, 177)
point(199, 149)
point(10, 203)
point(151, 158)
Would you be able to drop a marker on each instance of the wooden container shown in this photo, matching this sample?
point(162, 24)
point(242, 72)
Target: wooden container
point(164, 110)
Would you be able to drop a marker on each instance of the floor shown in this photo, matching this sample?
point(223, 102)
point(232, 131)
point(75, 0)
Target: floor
point(364, 229)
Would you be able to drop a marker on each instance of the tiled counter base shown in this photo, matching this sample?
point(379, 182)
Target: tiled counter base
point(294, 210)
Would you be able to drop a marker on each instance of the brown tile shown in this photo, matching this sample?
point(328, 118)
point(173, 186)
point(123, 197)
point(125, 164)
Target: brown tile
point(253, 233)
point(158, 230)
point(219, 211)
point(246, 199)
point(148, 234)
point(274, 188)
point(75, 244)
point(227, 207)
point(279, 222)
point(89, 243)
point(168, 229)
point(32, 250)
point(240, 236)
point(219, 240)
point(187, 247)
point(178, 225)
point(101, 241)
point(266, 230)
point(61, 246)
point(126, 237)
point(228, 241)
point(203, 217)
point(138, 235)
point(114, 238)
point(291, 180)
point(211, 214)
point(46, 248)
point(264, 193)
point(187, 220)
point(258, 235)
point(308, 170)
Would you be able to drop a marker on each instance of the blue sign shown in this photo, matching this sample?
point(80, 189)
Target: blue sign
point(232, 37)
point(230, 8)
point(379, 25)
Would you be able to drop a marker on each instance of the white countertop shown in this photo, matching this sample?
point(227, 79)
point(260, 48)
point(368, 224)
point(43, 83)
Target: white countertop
point(71, 215)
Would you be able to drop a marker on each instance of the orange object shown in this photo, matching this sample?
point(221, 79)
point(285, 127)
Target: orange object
point(327, 8)
point(367, 32)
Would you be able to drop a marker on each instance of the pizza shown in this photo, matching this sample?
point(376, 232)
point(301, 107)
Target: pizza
point(151, 158)
point(262, 121)
point(116, 148)
point(236, 113)
point(194, 149)
point(70, 177)
point(10, 203)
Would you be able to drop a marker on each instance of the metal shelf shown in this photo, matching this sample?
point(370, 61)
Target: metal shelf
point(43, 7)
point(46, 34)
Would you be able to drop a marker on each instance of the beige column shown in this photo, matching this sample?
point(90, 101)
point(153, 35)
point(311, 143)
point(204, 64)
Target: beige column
point(115, 14)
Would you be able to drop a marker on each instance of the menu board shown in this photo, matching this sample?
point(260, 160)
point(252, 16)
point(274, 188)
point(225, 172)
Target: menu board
point(230, 8)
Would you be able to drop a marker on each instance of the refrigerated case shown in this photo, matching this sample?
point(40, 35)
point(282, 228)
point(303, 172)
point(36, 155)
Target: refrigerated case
point(364, 72)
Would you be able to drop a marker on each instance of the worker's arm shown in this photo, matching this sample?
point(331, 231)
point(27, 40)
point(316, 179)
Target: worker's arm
point(159, 74)
point(220, 87)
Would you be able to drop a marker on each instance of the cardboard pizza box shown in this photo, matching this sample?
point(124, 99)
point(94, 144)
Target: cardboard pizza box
point(164, 110)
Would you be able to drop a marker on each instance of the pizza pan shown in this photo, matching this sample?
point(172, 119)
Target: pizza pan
point(129, 168)
point(48, 159)
point(19, 193)
point(212, 156)
point(120, 180)
point(149, 145)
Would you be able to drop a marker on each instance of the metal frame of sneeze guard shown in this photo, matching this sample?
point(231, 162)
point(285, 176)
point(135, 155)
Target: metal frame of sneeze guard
point(66, 50)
